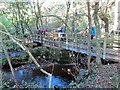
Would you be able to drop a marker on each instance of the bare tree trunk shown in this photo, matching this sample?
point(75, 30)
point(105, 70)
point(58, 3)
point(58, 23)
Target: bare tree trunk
point(73, 32)
point(38, 25)
point(11, 68)
point(105, 37)
point(97, 24)
point(104, 45)
point(20, 16)
point(89, 38)
point(66, 19)
point(106, 21)
point(26, 22)
point(116, 11)
point(26, 26)
point(40, 18)
point(67, 11)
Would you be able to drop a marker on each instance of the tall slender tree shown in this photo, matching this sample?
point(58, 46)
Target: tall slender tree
point(98, 35)
point(89, 37)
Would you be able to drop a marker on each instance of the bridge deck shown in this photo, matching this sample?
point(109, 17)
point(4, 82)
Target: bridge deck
point(111, 54)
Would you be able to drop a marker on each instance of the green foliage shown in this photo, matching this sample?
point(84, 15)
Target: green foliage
point(32, 21)
point(3, 61)
point(82, 25)
point(11, 46)
point(5, 21)
point(80, 79)
point(94, 80)
point(50, 54)
point(94, 42)
point(81, 76)
point(38, 51)
point(64, 56)
point(24, 57)
point(115, 76)
point(9, 84)
point(110, 40)
point(108, 15)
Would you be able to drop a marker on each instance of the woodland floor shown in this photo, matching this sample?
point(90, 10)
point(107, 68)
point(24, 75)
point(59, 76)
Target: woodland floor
point(107, 76)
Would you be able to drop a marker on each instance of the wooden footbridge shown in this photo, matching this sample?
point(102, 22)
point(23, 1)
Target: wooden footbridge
point(111, 54)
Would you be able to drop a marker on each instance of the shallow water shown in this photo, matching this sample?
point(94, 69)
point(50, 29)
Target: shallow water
point(28, 75)
point(12, 54)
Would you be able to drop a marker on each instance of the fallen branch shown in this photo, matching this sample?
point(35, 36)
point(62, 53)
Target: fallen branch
point(25, 49)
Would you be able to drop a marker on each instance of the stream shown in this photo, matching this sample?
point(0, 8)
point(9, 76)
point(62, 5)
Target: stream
point(29, 73)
